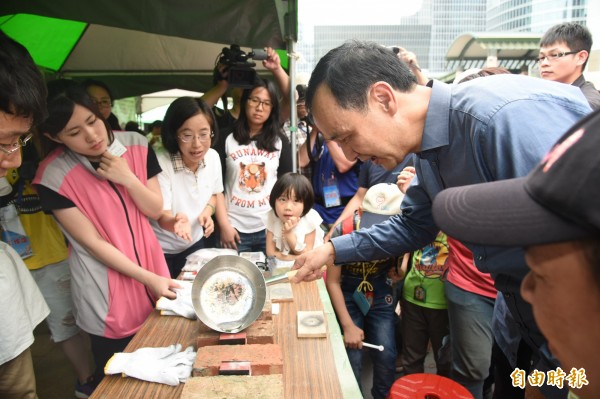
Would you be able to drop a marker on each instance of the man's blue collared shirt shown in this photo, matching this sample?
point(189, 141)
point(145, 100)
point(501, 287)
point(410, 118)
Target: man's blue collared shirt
point(488, 129)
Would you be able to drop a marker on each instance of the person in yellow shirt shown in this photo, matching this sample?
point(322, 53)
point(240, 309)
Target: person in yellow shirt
point(50, 269)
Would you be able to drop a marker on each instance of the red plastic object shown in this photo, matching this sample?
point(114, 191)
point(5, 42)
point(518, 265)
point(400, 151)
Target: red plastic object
point(427, 386)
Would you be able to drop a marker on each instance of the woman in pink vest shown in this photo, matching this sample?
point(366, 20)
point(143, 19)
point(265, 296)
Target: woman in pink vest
point(102, 187)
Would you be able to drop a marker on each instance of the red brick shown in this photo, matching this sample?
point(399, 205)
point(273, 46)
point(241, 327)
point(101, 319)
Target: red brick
point(264, 359)
point(266, 313)
point(259, 332)
point(233, 339)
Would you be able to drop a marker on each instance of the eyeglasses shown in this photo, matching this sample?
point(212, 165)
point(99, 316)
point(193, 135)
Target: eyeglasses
point(202, 137)
point(555, 56)
point(255, 101)
point(9, 149)
point(102, 103)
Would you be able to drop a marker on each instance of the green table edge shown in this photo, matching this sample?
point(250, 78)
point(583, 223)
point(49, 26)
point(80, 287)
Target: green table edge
point(348, 384)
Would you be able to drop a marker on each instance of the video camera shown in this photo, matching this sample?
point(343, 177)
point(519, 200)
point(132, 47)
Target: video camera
point(240, 70)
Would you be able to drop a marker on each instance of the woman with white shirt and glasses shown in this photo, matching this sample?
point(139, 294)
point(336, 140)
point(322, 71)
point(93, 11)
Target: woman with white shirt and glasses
point(190, 180)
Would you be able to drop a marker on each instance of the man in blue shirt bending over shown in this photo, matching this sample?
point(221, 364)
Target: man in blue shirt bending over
point(363, 97)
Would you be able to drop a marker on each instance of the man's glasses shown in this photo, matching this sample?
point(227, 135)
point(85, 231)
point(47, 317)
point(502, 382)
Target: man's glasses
point(9, 149)
point(202, 137)
point(255, 101)
point(555, 56)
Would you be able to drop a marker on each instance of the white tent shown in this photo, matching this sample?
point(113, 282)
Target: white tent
point(150, 101)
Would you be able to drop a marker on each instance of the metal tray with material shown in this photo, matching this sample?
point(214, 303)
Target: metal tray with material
point(229, 293)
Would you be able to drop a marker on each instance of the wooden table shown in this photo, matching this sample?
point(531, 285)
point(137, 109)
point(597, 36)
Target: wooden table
point(312, 367)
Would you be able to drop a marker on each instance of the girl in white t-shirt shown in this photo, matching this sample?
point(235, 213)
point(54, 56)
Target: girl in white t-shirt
point(255, 154)
point(293, 227)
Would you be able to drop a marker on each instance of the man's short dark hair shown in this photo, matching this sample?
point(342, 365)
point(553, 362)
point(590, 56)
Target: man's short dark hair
point(576, 36)
point(22, 87)
point(349, 71)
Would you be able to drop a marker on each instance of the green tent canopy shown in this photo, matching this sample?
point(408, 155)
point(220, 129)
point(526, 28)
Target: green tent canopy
point(141, 46)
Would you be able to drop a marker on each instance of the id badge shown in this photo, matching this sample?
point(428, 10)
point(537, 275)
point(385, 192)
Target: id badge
point(13, 233)
point(116, 148)
point(331, 194)
point(420, 294)
point(362, 301)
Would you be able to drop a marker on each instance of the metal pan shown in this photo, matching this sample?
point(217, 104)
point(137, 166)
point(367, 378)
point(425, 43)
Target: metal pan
point(229, 293)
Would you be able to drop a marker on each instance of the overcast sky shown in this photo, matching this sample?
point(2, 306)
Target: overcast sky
point(355, 12)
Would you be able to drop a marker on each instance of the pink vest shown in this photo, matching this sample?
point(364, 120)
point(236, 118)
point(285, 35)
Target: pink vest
point(107, 303)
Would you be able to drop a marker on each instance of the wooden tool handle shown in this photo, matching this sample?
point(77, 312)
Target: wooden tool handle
point(285, 277)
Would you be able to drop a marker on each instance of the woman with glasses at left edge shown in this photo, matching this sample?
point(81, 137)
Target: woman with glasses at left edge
point(256, 153)
point(189, 182)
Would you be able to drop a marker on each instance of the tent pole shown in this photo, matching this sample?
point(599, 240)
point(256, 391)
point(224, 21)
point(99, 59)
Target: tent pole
point(293, 109)
point(291, 35)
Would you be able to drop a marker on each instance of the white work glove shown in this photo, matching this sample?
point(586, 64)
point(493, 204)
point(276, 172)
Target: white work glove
point(180, 306)
point(168, 365)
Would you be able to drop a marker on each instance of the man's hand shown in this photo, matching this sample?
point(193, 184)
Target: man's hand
point(309, 264)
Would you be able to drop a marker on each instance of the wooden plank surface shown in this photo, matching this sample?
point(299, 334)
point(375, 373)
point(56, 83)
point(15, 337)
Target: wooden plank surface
point(311, 368)
point(308, 364)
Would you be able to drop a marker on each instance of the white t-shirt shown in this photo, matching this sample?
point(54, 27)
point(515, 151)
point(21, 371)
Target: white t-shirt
point(187, 192)
point(306, 225)
point(251, 174)
point(22, 306)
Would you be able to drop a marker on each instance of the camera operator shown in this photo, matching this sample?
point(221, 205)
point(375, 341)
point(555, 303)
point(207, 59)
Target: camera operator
point(227, 117)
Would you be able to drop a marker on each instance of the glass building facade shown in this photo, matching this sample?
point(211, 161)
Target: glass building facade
point(533, 15)
point(431, 31)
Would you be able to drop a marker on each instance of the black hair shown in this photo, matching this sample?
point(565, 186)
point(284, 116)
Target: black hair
point(577, 37)
point(133, 126)
point(351, 69)
point(63, 95)
point(301, 90)
point(293, 183)
point(271, 129)
point(93, 82)
point(22, 87)
point(180, 111)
